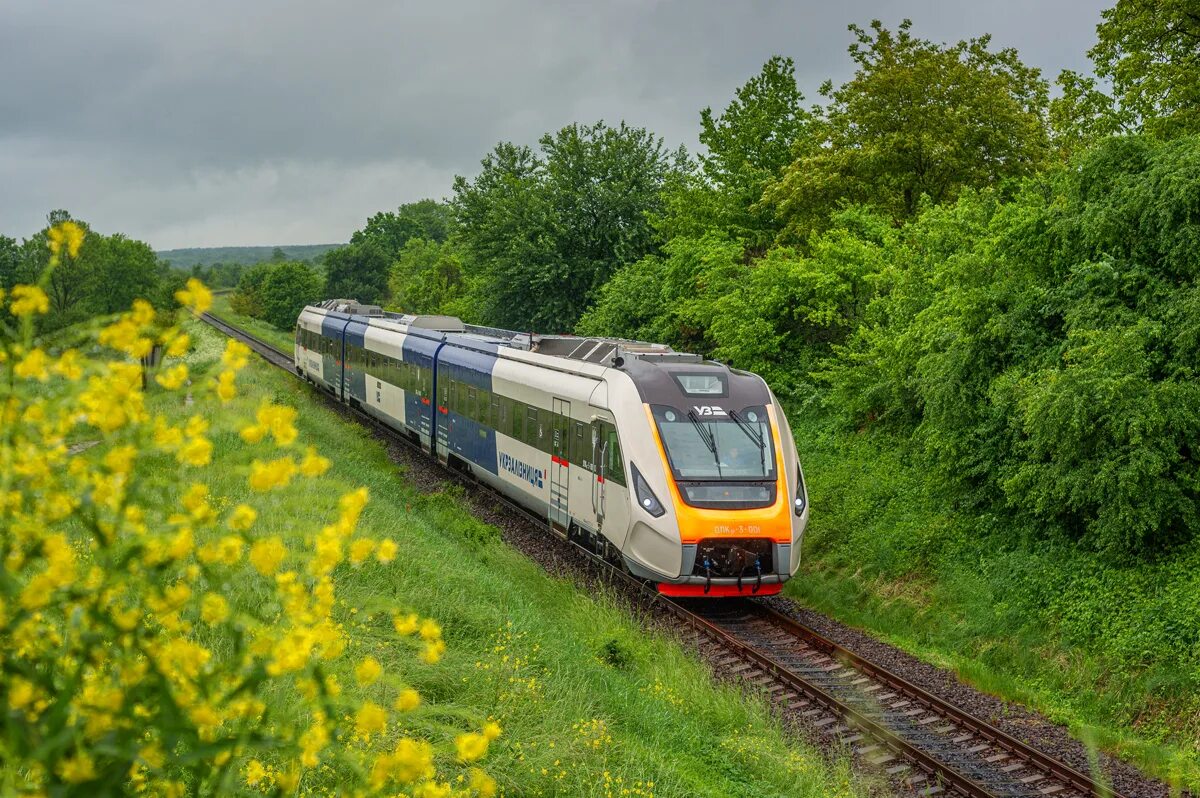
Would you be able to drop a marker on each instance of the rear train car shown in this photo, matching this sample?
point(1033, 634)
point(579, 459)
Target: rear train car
point(682, 470)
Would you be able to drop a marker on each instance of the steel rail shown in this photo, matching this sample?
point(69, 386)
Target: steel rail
point(944, 775)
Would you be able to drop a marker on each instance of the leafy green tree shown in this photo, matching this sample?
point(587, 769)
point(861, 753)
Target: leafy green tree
point(10, 262)
point(1082, 114)
point(918, 119)
point(278, 255)
point(427, 277)
point(427, 218)
point(1045, 351)
point(749, 145)
point(119, 270)
point(248, 299)
point(544, 233)
point(358, 271)
point(1149, 50)
point(288, 287)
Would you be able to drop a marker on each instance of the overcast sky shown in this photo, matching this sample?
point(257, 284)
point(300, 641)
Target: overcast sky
point(270, 122)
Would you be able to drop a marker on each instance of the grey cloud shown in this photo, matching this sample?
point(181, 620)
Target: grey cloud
point(271, 122)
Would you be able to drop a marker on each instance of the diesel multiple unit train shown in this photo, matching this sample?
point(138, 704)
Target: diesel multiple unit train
point(683, 470)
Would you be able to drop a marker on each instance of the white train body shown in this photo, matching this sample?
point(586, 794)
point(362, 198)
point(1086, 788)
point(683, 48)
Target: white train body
point(682, 469)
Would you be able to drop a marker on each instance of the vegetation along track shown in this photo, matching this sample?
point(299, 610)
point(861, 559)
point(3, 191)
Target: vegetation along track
point(922, 741)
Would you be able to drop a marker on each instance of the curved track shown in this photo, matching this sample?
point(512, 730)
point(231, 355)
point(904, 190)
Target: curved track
point(924, 742)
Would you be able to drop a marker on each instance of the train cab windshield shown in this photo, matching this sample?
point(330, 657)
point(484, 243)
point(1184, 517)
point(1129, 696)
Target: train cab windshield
point(719, 457)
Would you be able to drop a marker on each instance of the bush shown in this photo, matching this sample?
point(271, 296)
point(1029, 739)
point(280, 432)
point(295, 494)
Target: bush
point(1045, 352)
point(289, 286)
point(126, 666)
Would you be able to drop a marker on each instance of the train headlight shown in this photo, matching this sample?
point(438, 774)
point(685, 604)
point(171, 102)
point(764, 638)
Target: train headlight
point(645, 496)
point(800, 503)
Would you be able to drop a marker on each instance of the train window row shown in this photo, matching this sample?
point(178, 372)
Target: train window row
point(531, 425)
point(318, 343)
point(549, 432)
point(402, 374)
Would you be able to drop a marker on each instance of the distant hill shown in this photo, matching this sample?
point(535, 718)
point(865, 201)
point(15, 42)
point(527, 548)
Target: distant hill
point(191, 256)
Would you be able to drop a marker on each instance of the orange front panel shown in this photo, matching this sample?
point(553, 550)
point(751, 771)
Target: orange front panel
point(698, 523)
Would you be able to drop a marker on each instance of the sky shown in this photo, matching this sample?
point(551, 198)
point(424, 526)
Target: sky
point(223, 123)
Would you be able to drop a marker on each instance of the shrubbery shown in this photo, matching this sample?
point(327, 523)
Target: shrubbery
point(127, 664)
point(276, 292)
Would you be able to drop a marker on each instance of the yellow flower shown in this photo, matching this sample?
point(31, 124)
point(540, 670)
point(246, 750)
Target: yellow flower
point(368, 671)
point(242, 517)
point(195, 296)
point(371, 719)
point(275, 474)
point(28, 300)
point(236, 355)
point(119, 460)
point(173, 378)
point(482, 783)
point(213, 608)
point(408, 700)
point(313, 464)
point(34, 366)
point(432, 653)
point(360, 550)
point(69, 365)
point(195, 498)
point(386, 552)
point(177, 344)
point(406, 624)
point(226, 389)
point(430, 630)
point(470, 746)
point(68, 234)
point(77, 769)
point(255, 772)
point(491, 730)
point(267, 555)
point(196, 452)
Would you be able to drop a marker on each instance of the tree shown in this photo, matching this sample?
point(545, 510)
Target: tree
point(1150, 52)
point(918, 119)
point(358, 271)
point(248, 299)
point(119, 270)
point(427, 218)
point(1045, 352)
point(288, 287)
point(544, 233)
point(10, 262)
point(278, 255)
point(749, 145)
point(427, 277)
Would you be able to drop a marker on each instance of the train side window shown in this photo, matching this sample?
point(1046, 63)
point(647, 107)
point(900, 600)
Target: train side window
point(615, 467)
point(472, 400)
point(494, 418)
point(531, 426)
point(580, 443)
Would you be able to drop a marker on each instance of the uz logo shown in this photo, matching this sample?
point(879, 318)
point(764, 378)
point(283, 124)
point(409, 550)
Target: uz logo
point(708, 410)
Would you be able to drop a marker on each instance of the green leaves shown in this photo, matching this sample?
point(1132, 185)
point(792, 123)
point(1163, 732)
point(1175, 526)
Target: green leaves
point(918, 119)
point(545, 231)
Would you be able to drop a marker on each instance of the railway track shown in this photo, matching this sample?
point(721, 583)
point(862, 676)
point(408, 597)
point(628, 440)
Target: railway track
point(918, 739)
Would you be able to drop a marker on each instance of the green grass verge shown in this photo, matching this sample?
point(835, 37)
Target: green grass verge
point(591, 703)
point(280, 339)
point(1109, 649)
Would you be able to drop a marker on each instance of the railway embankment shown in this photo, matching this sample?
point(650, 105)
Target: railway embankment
point(590, 701)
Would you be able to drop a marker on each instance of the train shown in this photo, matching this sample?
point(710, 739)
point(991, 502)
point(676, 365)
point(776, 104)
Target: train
point(679, 469)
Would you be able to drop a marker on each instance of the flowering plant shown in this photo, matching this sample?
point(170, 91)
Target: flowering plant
point(124, 664)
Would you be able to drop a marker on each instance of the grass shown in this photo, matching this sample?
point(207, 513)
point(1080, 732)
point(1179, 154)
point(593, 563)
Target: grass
point(280, 339)
point(1108, 649)
point(591, 703)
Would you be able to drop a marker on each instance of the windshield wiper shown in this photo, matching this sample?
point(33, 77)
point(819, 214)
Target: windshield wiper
point(753, 435)
point(706, 436)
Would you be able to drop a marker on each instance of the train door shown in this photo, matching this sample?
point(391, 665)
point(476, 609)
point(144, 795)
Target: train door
point(559, 465)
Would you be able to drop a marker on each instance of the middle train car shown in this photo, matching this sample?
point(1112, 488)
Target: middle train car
point(682, 469)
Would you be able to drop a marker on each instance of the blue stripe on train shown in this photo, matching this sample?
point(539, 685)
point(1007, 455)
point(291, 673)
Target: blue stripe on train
point(464, 436)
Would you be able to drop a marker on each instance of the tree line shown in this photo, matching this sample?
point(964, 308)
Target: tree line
point(936, 250)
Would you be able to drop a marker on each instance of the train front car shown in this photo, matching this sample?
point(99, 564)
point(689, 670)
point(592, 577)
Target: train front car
point(719, 502)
